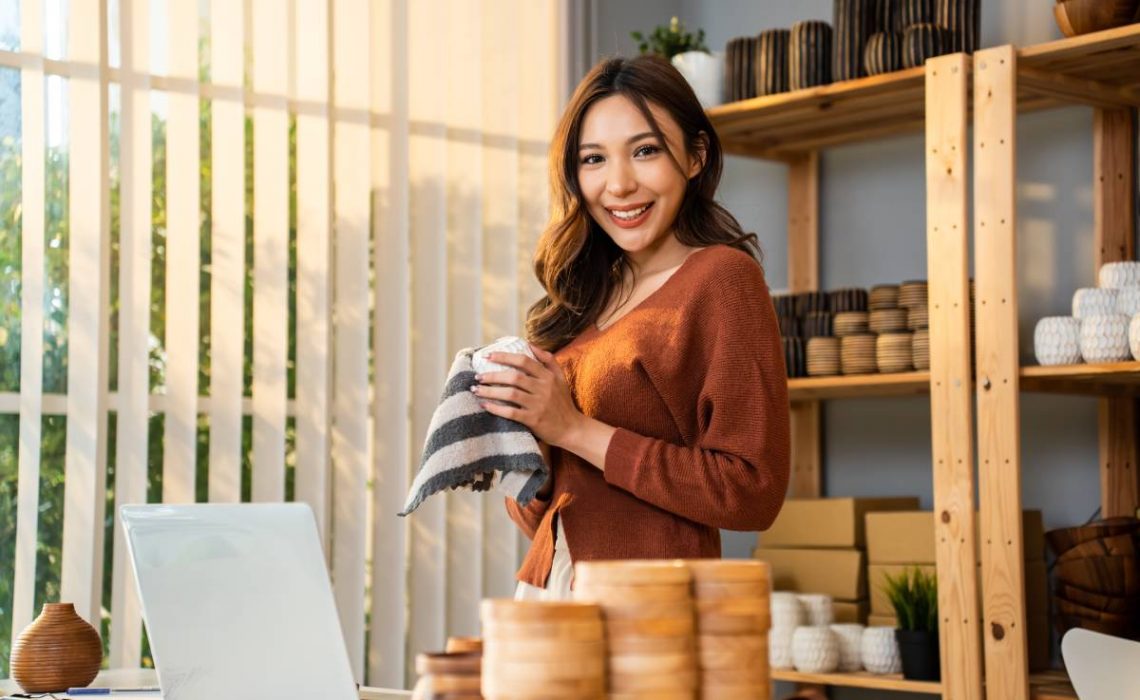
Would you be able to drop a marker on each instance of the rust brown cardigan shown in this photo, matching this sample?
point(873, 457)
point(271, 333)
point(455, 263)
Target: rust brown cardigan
point(693, 378)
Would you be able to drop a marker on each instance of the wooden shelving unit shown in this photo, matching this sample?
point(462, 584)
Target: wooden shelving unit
point(943, 99)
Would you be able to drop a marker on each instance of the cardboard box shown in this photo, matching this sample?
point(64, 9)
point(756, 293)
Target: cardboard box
point(908, 537)
point(840, 573)
point(828, 522)
point(1036, 586)
point(847, 611)
point(1037, 637)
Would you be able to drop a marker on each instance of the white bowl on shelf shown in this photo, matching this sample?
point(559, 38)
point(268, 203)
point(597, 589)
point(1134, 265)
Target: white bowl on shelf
point(1057, 340)
point(818, 611)
point(1092, 301)
point(780, 648)
point(787, 611)
point(815, 650)
point(1134, 337)
point(1128, 301)
point(1115, 275)
point(1105, 338)
point(850, 638)
point(880, 650)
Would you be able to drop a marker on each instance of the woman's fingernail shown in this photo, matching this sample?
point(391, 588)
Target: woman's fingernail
point(478, 377)
point(474, 389)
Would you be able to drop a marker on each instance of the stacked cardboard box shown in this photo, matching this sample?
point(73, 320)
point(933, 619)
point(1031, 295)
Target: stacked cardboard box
point(905, 540)
point(818, 546)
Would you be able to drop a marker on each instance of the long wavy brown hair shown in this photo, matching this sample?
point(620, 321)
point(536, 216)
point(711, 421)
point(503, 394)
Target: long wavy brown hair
point(576, 262)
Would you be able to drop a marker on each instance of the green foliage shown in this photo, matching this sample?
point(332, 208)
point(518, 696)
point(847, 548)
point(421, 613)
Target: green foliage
point(668, 41)
point(914, 596)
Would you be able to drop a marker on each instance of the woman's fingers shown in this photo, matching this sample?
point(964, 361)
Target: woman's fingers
point(502, 393)
point(508, 377)
point(518, 361)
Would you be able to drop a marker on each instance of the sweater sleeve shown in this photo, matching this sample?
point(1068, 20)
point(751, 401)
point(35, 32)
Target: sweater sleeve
point(725, 377)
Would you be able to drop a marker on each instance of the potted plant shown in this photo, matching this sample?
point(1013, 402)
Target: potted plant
point(690, 56)
point(914, 596)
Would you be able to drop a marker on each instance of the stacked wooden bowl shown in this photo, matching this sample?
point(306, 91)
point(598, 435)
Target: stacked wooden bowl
point(649, 626)
point(857, 354)
point(1098, 577)
point(894, 353)
point(822, 356)
point(884, 296)
point(888, 320)
point(912, 294)
point(920, 349)
point(848, 323)
point(535, 650)
point(456, 676)
point(733, 619)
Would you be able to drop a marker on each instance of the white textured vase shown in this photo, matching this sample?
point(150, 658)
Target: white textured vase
point(815, 650)
point(1057, 340)
point(704, 72)
point(880, 651)
point(780, 647)
point(1090, 301)
point(787, 612)
point(1134, 337)
point(818, 610)
point(1115, 275)
point(1128, 301)
point(1105, 338)
point(850, 639)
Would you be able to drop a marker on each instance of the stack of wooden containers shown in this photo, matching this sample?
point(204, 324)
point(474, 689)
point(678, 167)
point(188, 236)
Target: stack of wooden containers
point(733, 619)
point(650, 627)
point(535, 650)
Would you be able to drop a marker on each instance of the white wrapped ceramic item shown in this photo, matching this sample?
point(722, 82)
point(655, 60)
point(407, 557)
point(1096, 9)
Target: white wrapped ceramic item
point(787, 611)
point(1128, 301)
point(1105, 338)
point(1090, 301)
point(1115, 275)
point(817, 609)
point(815, 650)
point(780, 647)
point(880, 651)
point(510, 343)
point(1134, 337)
point(1057, 340)
point(850, 639)
point(705, 73)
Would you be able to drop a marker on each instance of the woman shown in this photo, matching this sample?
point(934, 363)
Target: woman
point(659, 393)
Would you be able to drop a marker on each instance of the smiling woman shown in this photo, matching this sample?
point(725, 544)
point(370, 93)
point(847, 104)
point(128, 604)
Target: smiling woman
point(658, 382)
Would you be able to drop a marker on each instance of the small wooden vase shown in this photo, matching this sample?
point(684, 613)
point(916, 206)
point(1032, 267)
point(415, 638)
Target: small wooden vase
point(59, 650)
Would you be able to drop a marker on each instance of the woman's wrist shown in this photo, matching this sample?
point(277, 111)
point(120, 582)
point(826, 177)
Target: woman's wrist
point(589, 439)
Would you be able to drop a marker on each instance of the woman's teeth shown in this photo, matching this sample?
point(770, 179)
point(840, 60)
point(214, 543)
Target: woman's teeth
point(631, 214)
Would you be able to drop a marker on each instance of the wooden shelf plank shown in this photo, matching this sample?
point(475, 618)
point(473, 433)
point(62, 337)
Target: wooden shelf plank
point(859, 386)
point(1104, 379)
point(860, 680)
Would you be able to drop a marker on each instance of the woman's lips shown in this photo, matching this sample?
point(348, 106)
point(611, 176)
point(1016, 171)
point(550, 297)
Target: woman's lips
point(630, 223)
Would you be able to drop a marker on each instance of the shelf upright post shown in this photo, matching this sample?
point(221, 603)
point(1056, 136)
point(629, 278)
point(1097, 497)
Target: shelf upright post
point(999, 448)
point(1114, 162)
point(803, 276)
point(951, 396)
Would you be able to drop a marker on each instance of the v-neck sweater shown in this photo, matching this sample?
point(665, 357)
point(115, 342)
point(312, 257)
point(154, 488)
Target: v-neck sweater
point(693, 379)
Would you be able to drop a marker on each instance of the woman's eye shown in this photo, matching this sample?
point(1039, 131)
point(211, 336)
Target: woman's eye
point(592, 159)
point(646, 150)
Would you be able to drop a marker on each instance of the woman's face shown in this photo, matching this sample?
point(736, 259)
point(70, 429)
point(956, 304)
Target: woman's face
point(631, 186)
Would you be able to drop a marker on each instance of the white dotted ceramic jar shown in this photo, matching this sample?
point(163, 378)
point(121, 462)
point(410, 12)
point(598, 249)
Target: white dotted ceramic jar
point(817, 609)
point(815, 650)
point(1134, 337)
point(1105, 338)
point(1128, 301)
point(880, 651)
point(1115, 275)
point(787, 612)
point(850, 639)
point(780, 647)
point(1057, 340)
point(1090, 301)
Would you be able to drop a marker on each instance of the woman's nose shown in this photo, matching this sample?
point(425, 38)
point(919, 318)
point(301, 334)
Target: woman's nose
point(620, 181)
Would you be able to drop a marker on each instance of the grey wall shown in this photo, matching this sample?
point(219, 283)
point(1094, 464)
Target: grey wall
point(873, 231)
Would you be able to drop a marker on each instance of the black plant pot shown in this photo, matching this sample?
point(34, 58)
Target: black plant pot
point(919, 652)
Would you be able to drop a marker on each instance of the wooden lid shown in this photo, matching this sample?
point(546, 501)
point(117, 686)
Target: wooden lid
point(631, 572)
point(459, 645)
point(728, 570)
point(758, 590)
point(448, 664)
point(570, 630)
point(606, 594)
point(504, 610)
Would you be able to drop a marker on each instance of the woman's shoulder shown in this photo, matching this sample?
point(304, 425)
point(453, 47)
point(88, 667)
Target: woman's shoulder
point(721, 268)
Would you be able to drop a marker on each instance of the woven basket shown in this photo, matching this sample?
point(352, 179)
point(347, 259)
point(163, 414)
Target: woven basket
point(59, 650)
point(1063, 539)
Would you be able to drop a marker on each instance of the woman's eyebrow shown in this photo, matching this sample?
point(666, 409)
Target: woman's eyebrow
point(631, 139)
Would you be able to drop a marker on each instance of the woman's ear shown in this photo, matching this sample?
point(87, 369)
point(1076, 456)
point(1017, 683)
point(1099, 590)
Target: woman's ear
point(699, 154)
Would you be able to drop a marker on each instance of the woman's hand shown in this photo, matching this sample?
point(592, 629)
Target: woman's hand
point(538, 388)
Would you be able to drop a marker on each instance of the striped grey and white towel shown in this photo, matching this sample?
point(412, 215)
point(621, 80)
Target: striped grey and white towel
point(468, 447)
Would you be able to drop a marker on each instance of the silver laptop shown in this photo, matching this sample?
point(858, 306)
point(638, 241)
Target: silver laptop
point(237, 602)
